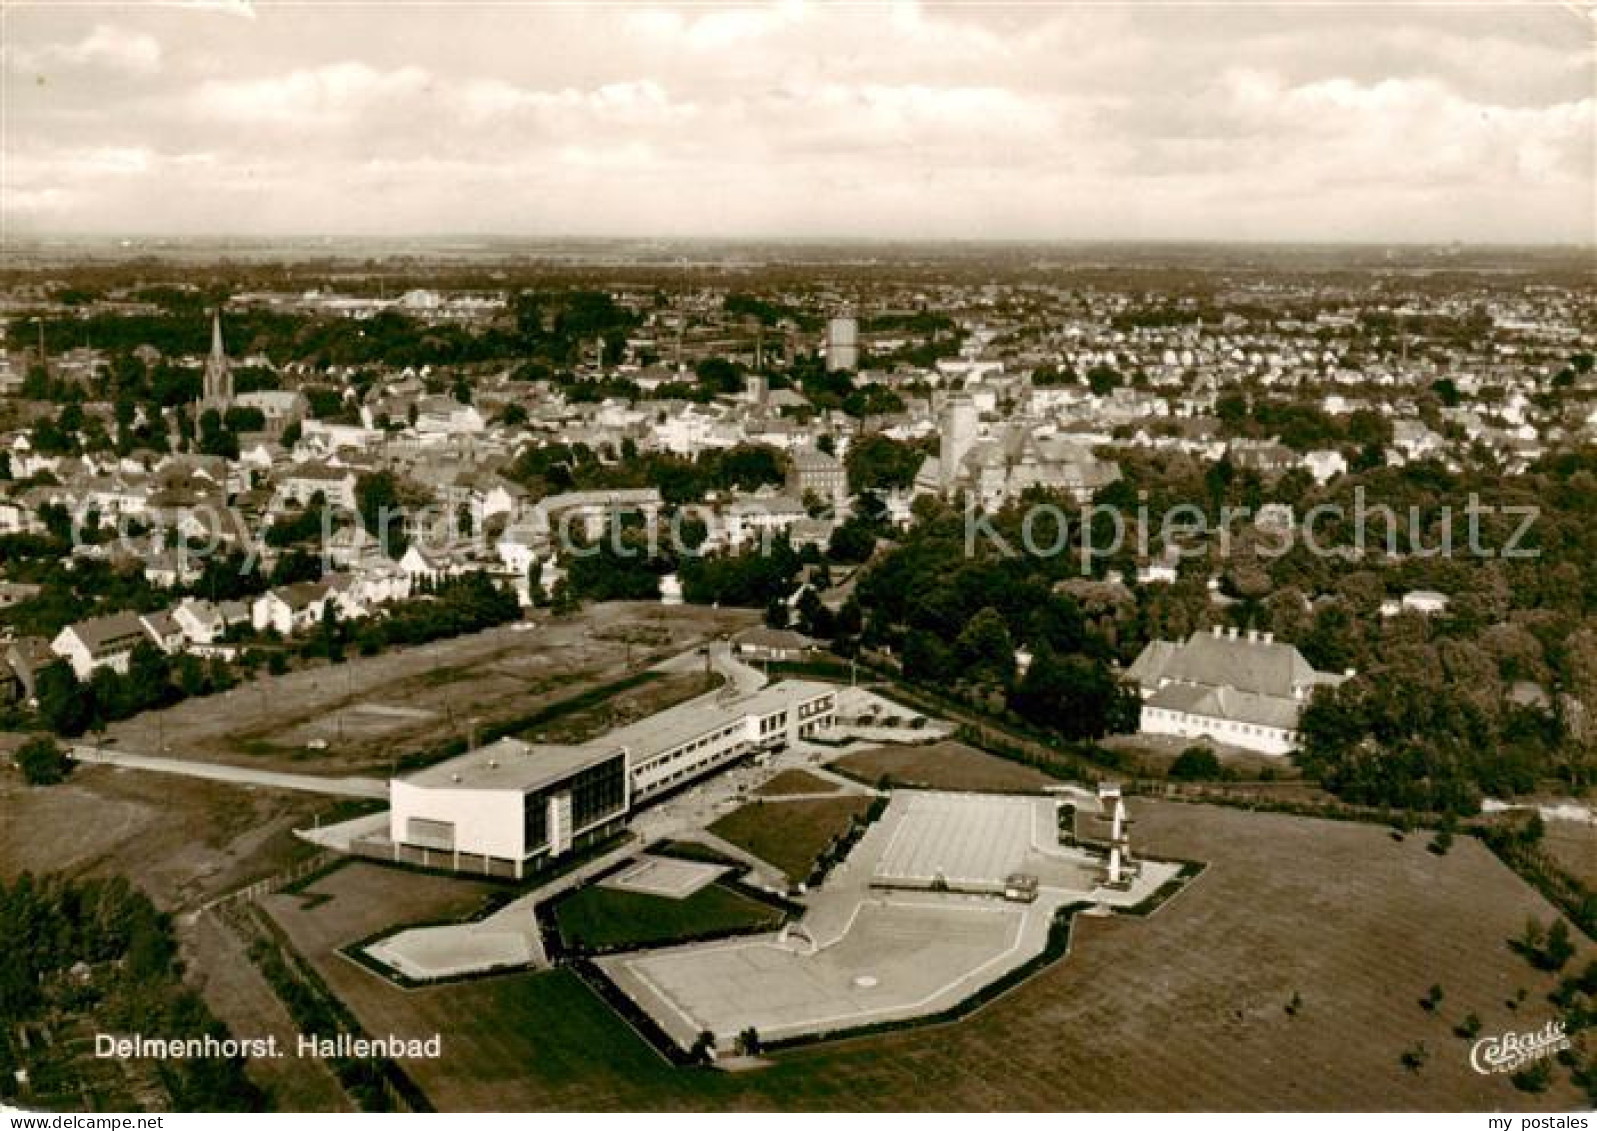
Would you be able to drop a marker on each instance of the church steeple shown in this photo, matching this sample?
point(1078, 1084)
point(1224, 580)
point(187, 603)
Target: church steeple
point(218, 389)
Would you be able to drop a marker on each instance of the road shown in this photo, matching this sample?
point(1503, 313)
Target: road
point(236, 775)
point(745, 678)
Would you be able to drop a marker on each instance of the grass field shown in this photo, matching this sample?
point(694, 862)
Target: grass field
point(943, 765)
point(1181, 1011)
point(597, 918)
point(790, 835)
point(183, 841)
point(408, 699)
point(790, 782)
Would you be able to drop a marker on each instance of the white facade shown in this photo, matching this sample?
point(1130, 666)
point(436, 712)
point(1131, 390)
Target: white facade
point(483, 822)
point(1249, 736)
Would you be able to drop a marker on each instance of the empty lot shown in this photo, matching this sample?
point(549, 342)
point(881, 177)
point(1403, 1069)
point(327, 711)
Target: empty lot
point(355, 717)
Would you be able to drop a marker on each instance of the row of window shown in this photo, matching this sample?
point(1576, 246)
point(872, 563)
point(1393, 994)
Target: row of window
point(819, 706)
point(1218, 724)
point(691, 771)
point(692, 747)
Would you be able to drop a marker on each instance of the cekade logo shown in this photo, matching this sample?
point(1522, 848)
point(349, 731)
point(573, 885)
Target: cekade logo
point(1510, 1052)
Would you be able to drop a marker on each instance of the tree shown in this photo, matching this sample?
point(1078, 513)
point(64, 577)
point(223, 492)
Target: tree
point(1102, 379)
point(853, 541)
point(1559, 949)
point(876, 461)
point(149, 678)
point(377, 499)
point(1076, 696)
point(927, 658)
point(42, 762)
point(703, 1050)
point(1414, 1057)
point(291, 434)
point(64, 704)
point(1195, 763)
point(1535, 1079)
point(984, 650)
point(536, 595)
point(216, 439)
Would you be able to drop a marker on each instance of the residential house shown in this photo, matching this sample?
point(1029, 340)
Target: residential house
point(164, 629)
point(26, 657)
point(290, 608)
point(813, 472)
point(305, 481)
point(101, 642)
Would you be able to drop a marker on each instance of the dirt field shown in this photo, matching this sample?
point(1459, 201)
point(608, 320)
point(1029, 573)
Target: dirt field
point(790, 835)
point(624, 707)
point(1183, 1011)
point(369, 709)
point(181, 839)
point(361, 899)
point(943, 765)
point(241, 997)
point(1574, 846)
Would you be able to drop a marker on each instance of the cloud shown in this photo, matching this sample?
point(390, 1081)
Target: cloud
point(329, 95)
point(103, 46)
point(1293, 122)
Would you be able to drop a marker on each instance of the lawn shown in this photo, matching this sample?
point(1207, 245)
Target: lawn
point(790, 782)
point(943, 765)
point(600, 919)
point(1182, 1011)
point(790, 835)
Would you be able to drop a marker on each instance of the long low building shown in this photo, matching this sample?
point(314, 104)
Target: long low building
point(508, 807)
point(695, 738)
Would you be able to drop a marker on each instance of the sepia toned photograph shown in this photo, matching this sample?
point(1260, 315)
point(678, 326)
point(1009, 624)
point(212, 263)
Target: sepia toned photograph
point(898, 556)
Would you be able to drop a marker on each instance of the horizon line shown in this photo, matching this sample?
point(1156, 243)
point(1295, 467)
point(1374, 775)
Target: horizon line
point(1459, 243)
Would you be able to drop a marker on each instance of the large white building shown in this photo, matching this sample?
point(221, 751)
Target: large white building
point(499, 809)
point(102, 642)
point(671, 748)
point(842, 344)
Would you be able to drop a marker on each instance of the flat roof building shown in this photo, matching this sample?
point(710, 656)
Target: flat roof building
point(504, 809)
point(507, 805)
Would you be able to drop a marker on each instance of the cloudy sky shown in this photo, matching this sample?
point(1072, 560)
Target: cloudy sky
point(1295, 121)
